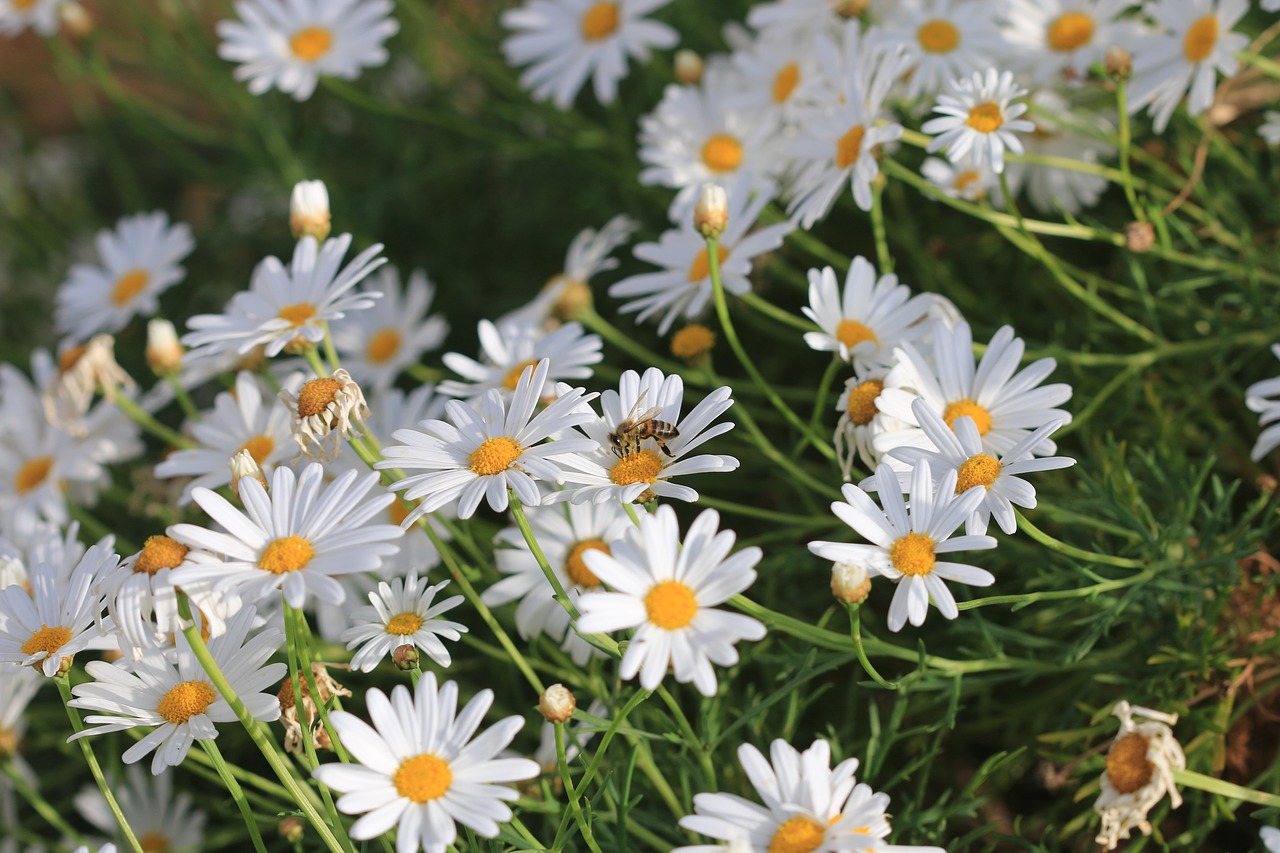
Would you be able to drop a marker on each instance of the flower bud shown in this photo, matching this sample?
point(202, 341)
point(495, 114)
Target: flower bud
point(688, 67)
point(309, 210)
point(405, 657)
point(75, 19)
point(1139, 236)
point(711, 213)
point(244, 465)
point(1118, 63)
point(292, 829)
point(849, 583)
point(164, 353)
point(557, 704)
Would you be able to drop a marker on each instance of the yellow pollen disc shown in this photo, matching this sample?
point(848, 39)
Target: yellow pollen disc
point(849, 147)
point(512, 379)
point(423, 778)
point(259, 447)
point(382, 346)
point(68, 358)
point(722, 153)
point(494, 456)
point(600, 21)
point(186, 700)
point(153, 842)
point(938, 36)
point(297, 314)
point(32, 473)
point(1070, 31)
point(576, 567)
point(671, 605)
point(160, 552)
point(913, 554)
point(798, 835)
point(1200, 39)
point(965, 178)
point(128, 286)
point(1127, 764)
point(862, 402)
point(985, 118)
point(979, 470)
point(404, 624)
point(785, 81)
point(23, 4)
point(851, 333)
point(693, 341)
point(701, 266)
point(311, 43)
point(47, 640)
point(962, 408)
point(315, 396)
point(397, 512)
point(643, 466)
point(286, 554)
point(8, 743)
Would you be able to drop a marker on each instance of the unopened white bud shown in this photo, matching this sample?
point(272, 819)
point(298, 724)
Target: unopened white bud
point(688, 67)
point(711, 213)
point(244, 465)
point(309, 210)
point(164, 353)
point(557, 704)
point(849, 583)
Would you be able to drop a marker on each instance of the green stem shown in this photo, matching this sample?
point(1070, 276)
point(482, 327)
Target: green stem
point(330, 351)
point(883, 258)
point(422, 373)
point(307, 672)
point(1126, 169)
point(855, 634)
point(1071, 551)
point(143, 419)
point(567, 778)
point(312, 355)
point(42, 806)
point(1191, 779)
point(614, 725)
point(237, 793)
point(185, 402)
point(691, 737)
point(786, 318)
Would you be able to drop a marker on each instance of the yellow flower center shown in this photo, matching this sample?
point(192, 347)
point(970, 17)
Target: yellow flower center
point(286, 554)
point(8, 743)
point(1200, 39)
point(311, 43)
point(913, 554)
point(985, 118)
point(68, 358)
point(600, 21)
point(186, 700)
point(47, 640)
point(849, 147)
point(128, 286)
point(692, 342)
point(967, 408)
point(382, 346)
point(297, 314)
point(315, 396)
point(1070, 31)
point(576, 567)
point(862, 402)
point(259, 447)
point(785, 81)
point(851, 333)
point(32, 473)
point(965, 178)
point(423, 778)
point(643, 466)
point(938, 36)
point(404, 624)
point(798, 835)
point(512, 379)
point(701, 266)
point(494, 456)
point(722, 153)
point(979, 470)
point(397, 512)
point(671, 605)
point(1127, 764)
point(159, 552)
point(153, 842)
point(21, 5)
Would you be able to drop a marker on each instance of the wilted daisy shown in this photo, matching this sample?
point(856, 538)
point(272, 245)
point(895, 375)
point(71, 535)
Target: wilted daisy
point(295, 538)
point(1139, 772)
point(809, 806)
point(979, 119)
point(324, 411)
point(513, 346)
point(402, 613)
point(139, 261)
point(84, 370)
point(967, 180)
point(1256, 398)
point(160, 820)
point(289, 44)
point(668, 591)
point(170, 692)
point(1054, 188)
point(39, 15)
point(419, 770)
point(943, 40)
point(566, 41)
point(377, 344)
point(905, 543)
point(1056, 40)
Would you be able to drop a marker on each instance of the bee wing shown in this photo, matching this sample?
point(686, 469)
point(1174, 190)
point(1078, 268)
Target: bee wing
point(647, 415)
point(638, 407)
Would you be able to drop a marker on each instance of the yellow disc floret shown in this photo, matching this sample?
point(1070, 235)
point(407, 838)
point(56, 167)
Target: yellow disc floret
point(297, 314)
point(159, 552)
point(311, 43)
point(985, 118)
point(938, 36)
point(701, 266)
point(32, 473)
point(404, 624)
point(849, 146)
point(798, 835)
point(576, 567)
point(913, 554)
point(1200, 39)
point(671, 605)
point(286, 554)
point(851, 333)
point(722, 153)
point(1070, 31)
point(47, 639)
point(1127, 764)
point(186, 700)
point(968, 408)
point(785, 82)
point(862, 402)
point(384, 344)
point(316, 395)
point(977, 470)
point(423, 778)
point(512, 379)
point(128, 286)
point(692, 342)
point(600, 21)
point(259, 447)
point(494, 456)
point(643, 466)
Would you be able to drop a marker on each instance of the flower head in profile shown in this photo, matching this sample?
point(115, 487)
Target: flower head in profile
point(511, 347)
point(1057, 40)
point(403, 612)
point(1139, 772)
point(979, 120)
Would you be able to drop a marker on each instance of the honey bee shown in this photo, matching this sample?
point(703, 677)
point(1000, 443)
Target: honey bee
point(639, 424)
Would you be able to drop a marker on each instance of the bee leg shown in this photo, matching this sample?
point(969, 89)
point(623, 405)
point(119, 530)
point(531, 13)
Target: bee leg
point(666, 450)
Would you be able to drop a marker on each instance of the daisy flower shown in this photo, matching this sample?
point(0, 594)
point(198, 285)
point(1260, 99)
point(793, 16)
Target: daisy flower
point(283, 305)
point(243, 419)
point(488, 450)
point(667, 590)
point(775, 73)
point(868, 319)
point(804, 18)
point(566, 41)
point(978, 119)
point(1195, 42)
point(140, 260)
point(324, 411)
point(377, 344)
point(419, 769)
point(943, 40)
point(160, 820)
point(171, 693)
point(905, 543)
point(1057, 40)
point(402, 614)
point(1050, 188)
point(808, 806)
point(967, 180)
point(39, 15)
point(683, 285)
point(1256, 399)
point(860, 422)
point(143, 602)
point(511, 347)
point(1139, 772)
point(289, 44)
point(295, 538)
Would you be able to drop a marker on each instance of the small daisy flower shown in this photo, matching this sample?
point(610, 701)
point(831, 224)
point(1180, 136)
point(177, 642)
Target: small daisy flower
point(420, 771)
point(966, 180)
point(1269, 130)
point(289, 44)
point(775, 72)
point(325, 411)
point(142, 601)
point(402, 614)
point(377, 344)
point(566, 41)
point(979, 120)
point(511, 347)
point(860, 422)
point(39, 15)
point(139, 261)
point(170, 692)
point(1059, 39)
point(1139, 772)
point(943, 40)
point(905, 543)
point(1257, 400)
point(808, 806)
point(668, 591)
point(295, 538)
point(159, 819)
point(1050, 188)
point(488, 450)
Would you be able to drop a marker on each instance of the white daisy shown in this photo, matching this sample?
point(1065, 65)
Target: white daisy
point(979, 120)
point(510, 348)
point(905, 543)
point(140, 260)
point(295, 538)
point(160, 820)
point(860, 422)
point(1051, 188)
point(419, 769)
point(1139, 772)
point(402, 614)
point(283, 305)
point(324, 411)
point(1195, 42)
point(1256, 399)
point(943, 40)
point(289, 44)
point(40, 15)
point(967, 180)
point(668, 591)
point(776, 72)
point(18, 686)
point(377, 344)
point(566, 41)
point(1057, 40)
point(485, 452)
point(171, 693)
point(802, 18)
point(1269, 130)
